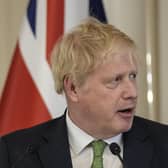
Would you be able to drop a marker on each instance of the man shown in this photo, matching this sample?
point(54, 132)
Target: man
point(95, 66)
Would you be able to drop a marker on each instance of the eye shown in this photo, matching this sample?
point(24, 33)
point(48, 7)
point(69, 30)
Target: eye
point(132, 76)
point(117, 79)
point(114, 82)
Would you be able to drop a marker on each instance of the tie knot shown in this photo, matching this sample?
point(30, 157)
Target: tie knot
point(98, 147)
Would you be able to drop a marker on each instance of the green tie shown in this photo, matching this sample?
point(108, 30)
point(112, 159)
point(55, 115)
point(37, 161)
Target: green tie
point(98, 149)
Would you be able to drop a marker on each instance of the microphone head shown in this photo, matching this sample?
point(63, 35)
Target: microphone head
point(115, 148)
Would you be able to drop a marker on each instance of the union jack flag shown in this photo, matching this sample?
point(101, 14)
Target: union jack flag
point(29, 96)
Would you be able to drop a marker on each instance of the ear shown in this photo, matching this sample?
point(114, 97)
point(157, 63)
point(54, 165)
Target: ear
point(70, 89)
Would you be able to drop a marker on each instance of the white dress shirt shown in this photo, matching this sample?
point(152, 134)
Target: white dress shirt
point(82, 152)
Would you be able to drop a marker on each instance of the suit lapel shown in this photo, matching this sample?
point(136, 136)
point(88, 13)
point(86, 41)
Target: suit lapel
point(56, 152)
point(138, 150)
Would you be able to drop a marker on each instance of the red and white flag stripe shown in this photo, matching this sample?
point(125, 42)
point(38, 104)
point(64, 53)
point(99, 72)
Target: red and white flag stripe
point(29, 96)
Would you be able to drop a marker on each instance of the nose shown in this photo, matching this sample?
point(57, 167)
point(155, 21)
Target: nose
point(130, 90)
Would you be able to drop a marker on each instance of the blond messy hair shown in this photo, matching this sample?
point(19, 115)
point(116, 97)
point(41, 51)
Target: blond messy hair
point(78, 52)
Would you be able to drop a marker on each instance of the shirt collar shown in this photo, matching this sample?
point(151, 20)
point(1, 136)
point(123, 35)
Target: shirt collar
point(117, 139)
point(79, 139)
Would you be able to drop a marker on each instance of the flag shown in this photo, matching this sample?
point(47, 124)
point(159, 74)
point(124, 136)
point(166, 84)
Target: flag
point(29, 97)
point(97, 10)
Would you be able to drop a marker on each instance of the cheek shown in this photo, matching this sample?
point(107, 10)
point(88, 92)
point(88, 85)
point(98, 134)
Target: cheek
point(109, 96)
point(105, 102)
point(100, 98)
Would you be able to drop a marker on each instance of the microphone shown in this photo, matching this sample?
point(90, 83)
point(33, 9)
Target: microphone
point(30, 149)
point(115, 149)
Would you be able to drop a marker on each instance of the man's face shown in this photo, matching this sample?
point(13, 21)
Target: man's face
point(107, 99)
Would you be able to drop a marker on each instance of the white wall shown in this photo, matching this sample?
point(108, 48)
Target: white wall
point(11, 13)
point(163, 58)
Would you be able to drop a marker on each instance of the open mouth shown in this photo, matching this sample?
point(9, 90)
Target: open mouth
point(126, 112)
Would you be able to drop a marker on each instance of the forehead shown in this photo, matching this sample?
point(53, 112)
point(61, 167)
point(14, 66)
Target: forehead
point(118, 64)
point(119, 54)
point(124, 57)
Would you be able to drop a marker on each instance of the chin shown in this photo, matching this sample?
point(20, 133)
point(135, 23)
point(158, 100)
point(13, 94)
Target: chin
point(118, 128)
point(123, 124)
point(126, 125)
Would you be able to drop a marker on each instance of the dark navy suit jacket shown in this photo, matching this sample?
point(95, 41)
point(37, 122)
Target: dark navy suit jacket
point(47, 146)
